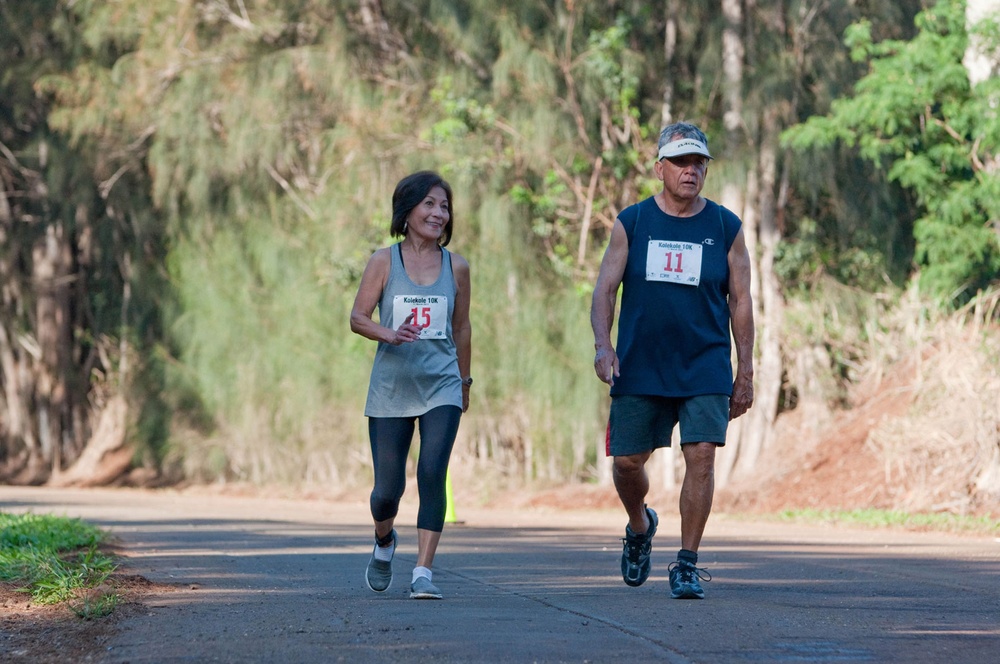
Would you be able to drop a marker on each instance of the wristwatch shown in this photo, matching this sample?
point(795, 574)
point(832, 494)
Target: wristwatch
point(467, 381)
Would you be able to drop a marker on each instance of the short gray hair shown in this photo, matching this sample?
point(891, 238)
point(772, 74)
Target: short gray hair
point(685, 130)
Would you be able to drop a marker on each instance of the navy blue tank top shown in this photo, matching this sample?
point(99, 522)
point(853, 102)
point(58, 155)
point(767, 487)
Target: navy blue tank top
point(673, 328)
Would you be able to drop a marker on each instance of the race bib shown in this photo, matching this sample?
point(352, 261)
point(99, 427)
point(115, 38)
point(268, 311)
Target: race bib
point(676, 262)
point(430, 312)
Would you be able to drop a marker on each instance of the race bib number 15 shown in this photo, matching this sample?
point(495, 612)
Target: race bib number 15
point(677, 262)
point(429, 312)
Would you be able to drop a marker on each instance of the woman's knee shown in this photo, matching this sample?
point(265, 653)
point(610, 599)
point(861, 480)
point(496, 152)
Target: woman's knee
point(384, 506)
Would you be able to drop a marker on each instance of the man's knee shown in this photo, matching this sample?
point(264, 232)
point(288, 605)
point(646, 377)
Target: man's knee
point(630, 464)
point(699, 458)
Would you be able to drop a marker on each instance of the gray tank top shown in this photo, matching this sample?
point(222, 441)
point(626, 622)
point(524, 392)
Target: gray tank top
point(410, 379)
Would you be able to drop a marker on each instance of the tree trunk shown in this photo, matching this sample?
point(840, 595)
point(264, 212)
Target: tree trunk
point(732, 118)
point(43, 410)
point(24, 461)
point(14, 422)
point(733, 195)
point(105, 457)
point(732, 71)
point(13, 406)
point(978, 64)
point(669, 49)
point(51, 275)
point(758, 426)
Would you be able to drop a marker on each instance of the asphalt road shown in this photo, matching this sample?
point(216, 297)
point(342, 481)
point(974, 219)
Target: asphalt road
point(270, 580)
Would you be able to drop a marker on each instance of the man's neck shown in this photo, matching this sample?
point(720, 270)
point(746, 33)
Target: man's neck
point(685, 207)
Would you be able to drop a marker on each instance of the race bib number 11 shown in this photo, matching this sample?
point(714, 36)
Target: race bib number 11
point(430, 312)
point(677, 262)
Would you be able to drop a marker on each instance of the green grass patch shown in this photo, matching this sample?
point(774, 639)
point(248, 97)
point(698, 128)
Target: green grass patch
point(57, 559)
point(893, 518)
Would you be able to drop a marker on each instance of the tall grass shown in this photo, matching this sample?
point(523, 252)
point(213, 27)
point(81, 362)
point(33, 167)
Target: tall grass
point(538, 406)
point(266, 342)
point(943, 454)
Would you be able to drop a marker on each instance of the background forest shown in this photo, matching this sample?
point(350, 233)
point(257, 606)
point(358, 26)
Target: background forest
point(191, 189)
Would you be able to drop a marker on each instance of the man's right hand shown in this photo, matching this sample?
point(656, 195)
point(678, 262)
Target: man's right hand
point(606, 364)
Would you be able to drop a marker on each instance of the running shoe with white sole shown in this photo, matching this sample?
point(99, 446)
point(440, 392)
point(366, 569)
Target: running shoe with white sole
point(378, 576)
point(636, 552)
point(422, 588)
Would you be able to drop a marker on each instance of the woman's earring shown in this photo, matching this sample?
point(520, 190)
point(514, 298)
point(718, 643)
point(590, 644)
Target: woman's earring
point(405, 227)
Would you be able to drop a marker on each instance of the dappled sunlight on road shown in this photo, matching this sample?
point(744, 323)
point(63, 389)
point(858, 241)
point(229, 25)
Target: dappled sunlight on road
point(283, 581)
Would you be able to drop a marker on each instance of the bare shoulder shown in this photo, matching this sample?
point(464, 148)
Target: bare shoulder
point(382, 255)
point(617, 250)
point(380, 261)
point(739, 246)
point(458, 262)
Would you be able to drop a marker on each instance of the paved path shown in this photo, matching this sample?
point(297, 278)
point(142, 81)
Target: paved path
point(281, 581)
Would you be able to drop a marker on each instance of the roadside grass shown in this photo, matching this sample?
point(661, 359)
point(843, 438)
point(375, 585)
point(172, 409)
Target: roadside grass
point(57, 560)
point(876, 518)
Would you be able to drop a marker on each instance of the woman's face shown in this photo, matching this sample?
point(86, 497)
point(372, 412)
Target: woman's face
point(428, 219)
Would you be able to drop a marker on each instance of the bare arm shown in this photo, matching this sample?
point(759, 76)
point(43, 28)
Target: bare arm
point(741, 322)
point(602, 310)
point(461, 326)
point(372, 284)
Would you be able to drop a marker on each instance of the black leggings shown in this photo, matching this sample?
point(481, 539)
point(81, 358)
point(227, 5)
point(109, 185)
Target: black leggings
point(390, 439)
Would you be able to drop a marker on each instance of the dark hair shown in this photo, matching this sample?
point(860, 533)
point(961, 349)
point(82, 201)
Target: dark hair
point(409, 192)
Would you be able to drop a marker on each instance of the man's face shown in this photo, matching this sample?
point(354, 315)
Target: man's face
point(682, 177)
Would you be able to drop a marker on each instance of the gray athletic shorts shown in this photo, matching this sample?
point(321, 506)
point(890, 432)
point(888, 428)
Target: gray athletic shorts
point(641, 423)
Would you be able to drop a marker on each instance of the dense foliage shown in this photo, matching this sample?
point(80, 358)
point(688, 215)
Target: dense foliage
point(916, 116)
point(216, 174)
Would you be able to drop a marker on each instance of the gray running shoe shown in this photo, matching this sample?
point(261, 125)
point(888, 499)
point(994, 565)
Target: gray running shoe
point(378, 576)
point(422, 588)
point(684, 580)
point(635, 553)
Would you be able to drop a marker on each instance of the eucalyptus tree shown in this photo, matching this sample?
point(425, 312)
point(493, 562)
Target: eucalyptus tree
point(244, 153)
point(577, 93)
point(72, 246)
point(774, 62)
point(265, 146)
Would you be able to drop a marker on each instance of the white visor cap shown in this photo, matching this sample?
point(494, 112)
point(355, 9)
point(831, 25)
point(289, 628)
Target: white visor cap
point(682, 147)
